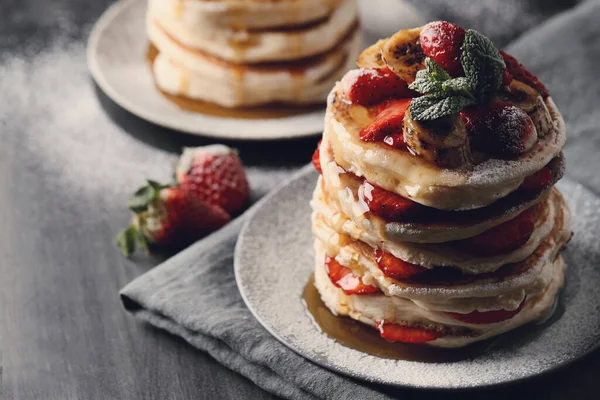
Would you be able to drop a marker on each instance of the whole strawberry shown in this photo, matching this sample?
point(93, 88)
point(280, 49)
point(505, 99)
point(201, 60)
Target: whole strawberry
point(214, 174)
point(168, 216)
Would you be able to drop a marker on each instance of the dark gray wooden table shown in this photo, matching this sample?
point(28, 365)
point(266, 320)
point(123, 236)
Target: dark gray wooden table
point(68, 160)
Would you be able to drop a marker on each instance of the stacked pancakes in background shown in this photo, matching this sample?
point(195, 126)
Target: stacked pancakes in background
point(443, 231)
point(245, 53)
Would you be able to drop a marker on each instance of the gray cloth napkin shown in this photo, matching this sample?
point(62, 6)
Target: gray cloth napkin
point(194, 295)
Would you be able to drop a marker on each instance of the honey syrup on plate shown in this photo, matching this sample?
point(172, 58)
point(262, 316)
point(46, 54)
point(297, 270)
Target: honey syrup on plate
point(202, 107)
point(358, 336)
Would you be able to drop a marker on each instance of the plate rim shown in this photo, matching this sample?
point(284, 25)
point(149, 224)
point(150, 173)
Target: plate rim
point(104, 23)
point(304, 172)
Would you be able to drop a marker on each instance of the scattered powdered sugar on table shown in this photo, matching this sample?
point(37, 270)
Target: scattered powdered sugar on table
point(275, 251)
point(52, 113)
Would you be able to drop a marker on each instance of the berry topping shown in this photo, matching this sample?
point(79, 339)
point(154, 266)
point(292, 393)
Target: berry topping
point(539, 180)
point(214, 174)
point(387, 123)
point(520, 73)
point(370, 86)
point(499, 129)
point(441, 41)
point(387, 205)
point(345, 279)
point(501, 239)
point(406, 334)
point(488, 317)
point(507, 78)
point(168, 216)
point(396, 268)
point(316, 158)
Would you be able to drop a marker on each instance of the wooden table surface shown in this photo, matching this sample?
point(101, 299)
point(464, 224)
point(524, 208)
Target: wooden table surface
point(63, 332)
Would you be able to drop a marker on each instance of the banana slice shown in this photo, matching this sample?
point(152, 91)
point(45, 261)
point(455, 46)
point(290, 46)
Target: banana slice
point(371, 56)
point(443, 141)
point(529, 100)
point(403, 54)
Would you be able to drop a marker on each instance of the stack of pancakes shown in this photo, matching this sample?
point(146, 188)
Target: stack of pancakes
point(242, 53)
point(461, 294)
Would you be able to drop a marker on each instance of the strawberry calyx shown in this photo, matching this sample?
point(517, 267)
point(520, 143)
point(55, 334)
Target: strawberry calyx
point(139, 203)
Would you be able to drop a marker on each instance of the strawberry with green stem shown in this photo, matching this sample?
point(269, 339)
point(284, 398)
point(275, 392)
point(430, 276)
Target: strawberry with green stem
point(168, 216)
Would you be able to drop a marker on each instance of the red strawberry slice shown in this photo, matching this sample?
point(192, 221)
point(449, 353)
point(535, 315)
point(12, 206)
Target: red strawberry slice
point(387, 205)
point(539, 180)
point(441, 41)
point(501, 239)
point(396, 268)
point(488, 317)
point(168, 216)
point(406, 334)
point(507, 78)
point(370, 86)
point(387, 123)
point(345, 279)
point(520, 73)
point(316, 158)
point(215, 175)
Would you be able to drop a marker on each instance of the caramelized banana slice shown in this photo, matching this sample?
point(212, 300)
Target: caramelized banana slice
point(371, 56)
point(529, 100)
point(403, 54)
point(442, 141)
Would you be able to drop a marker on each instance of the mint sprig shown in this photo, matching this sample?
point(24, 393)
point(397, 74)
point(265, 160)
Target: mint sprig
point(483, 65)
point(445, 95)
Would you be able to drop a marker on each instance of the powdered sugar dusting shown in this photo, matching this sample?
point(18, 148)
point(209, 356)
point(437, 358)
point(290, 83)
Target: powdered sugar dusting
point(271, 254)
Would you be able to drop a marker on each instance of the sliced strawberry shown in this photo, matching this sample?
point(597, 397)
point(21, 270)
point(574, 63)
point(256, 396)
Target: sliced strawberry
point(387, 205)
point(214, 174)
point(370, 86)
point(387, 123)
point(406, 334)
point(520, 73)
point(501, 239)
point(396, 268)
point(441, 41)
point(488, 317)
point(507, 78)
point(168, 216)
point(345, 279)
point(539, 180)
point(316, 158)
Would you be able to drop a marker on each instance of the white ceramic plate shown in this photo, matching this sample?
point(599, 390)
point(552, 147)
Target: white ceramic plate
point(274, 259)
point(117, 60)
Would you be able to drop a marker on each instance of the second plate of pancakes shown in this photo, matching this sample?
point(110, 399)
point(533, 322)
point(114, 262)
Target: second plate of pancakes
point(274, 260)
point(120, 57)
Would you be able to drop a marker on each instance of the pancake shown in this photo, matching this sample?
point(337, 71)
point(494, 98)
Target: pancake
point(441, 285)
point(258, 46)
point(371, 309)
point(196, 75)
point(468, 187)
point(329, 222)
point(245, 14)
point(436, 226)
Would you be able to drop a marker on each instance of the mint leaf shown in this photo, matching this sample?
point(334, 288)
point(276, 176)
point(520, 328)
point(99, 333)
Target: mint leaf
point(483, 65)
point(427, 108)
point(458, 87)
point(436, 72)
point(429, 80)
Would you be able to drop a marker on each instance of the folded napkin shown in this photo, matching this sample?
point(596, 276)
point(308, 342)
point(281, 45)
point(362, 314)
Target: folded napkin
point(194, 294)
